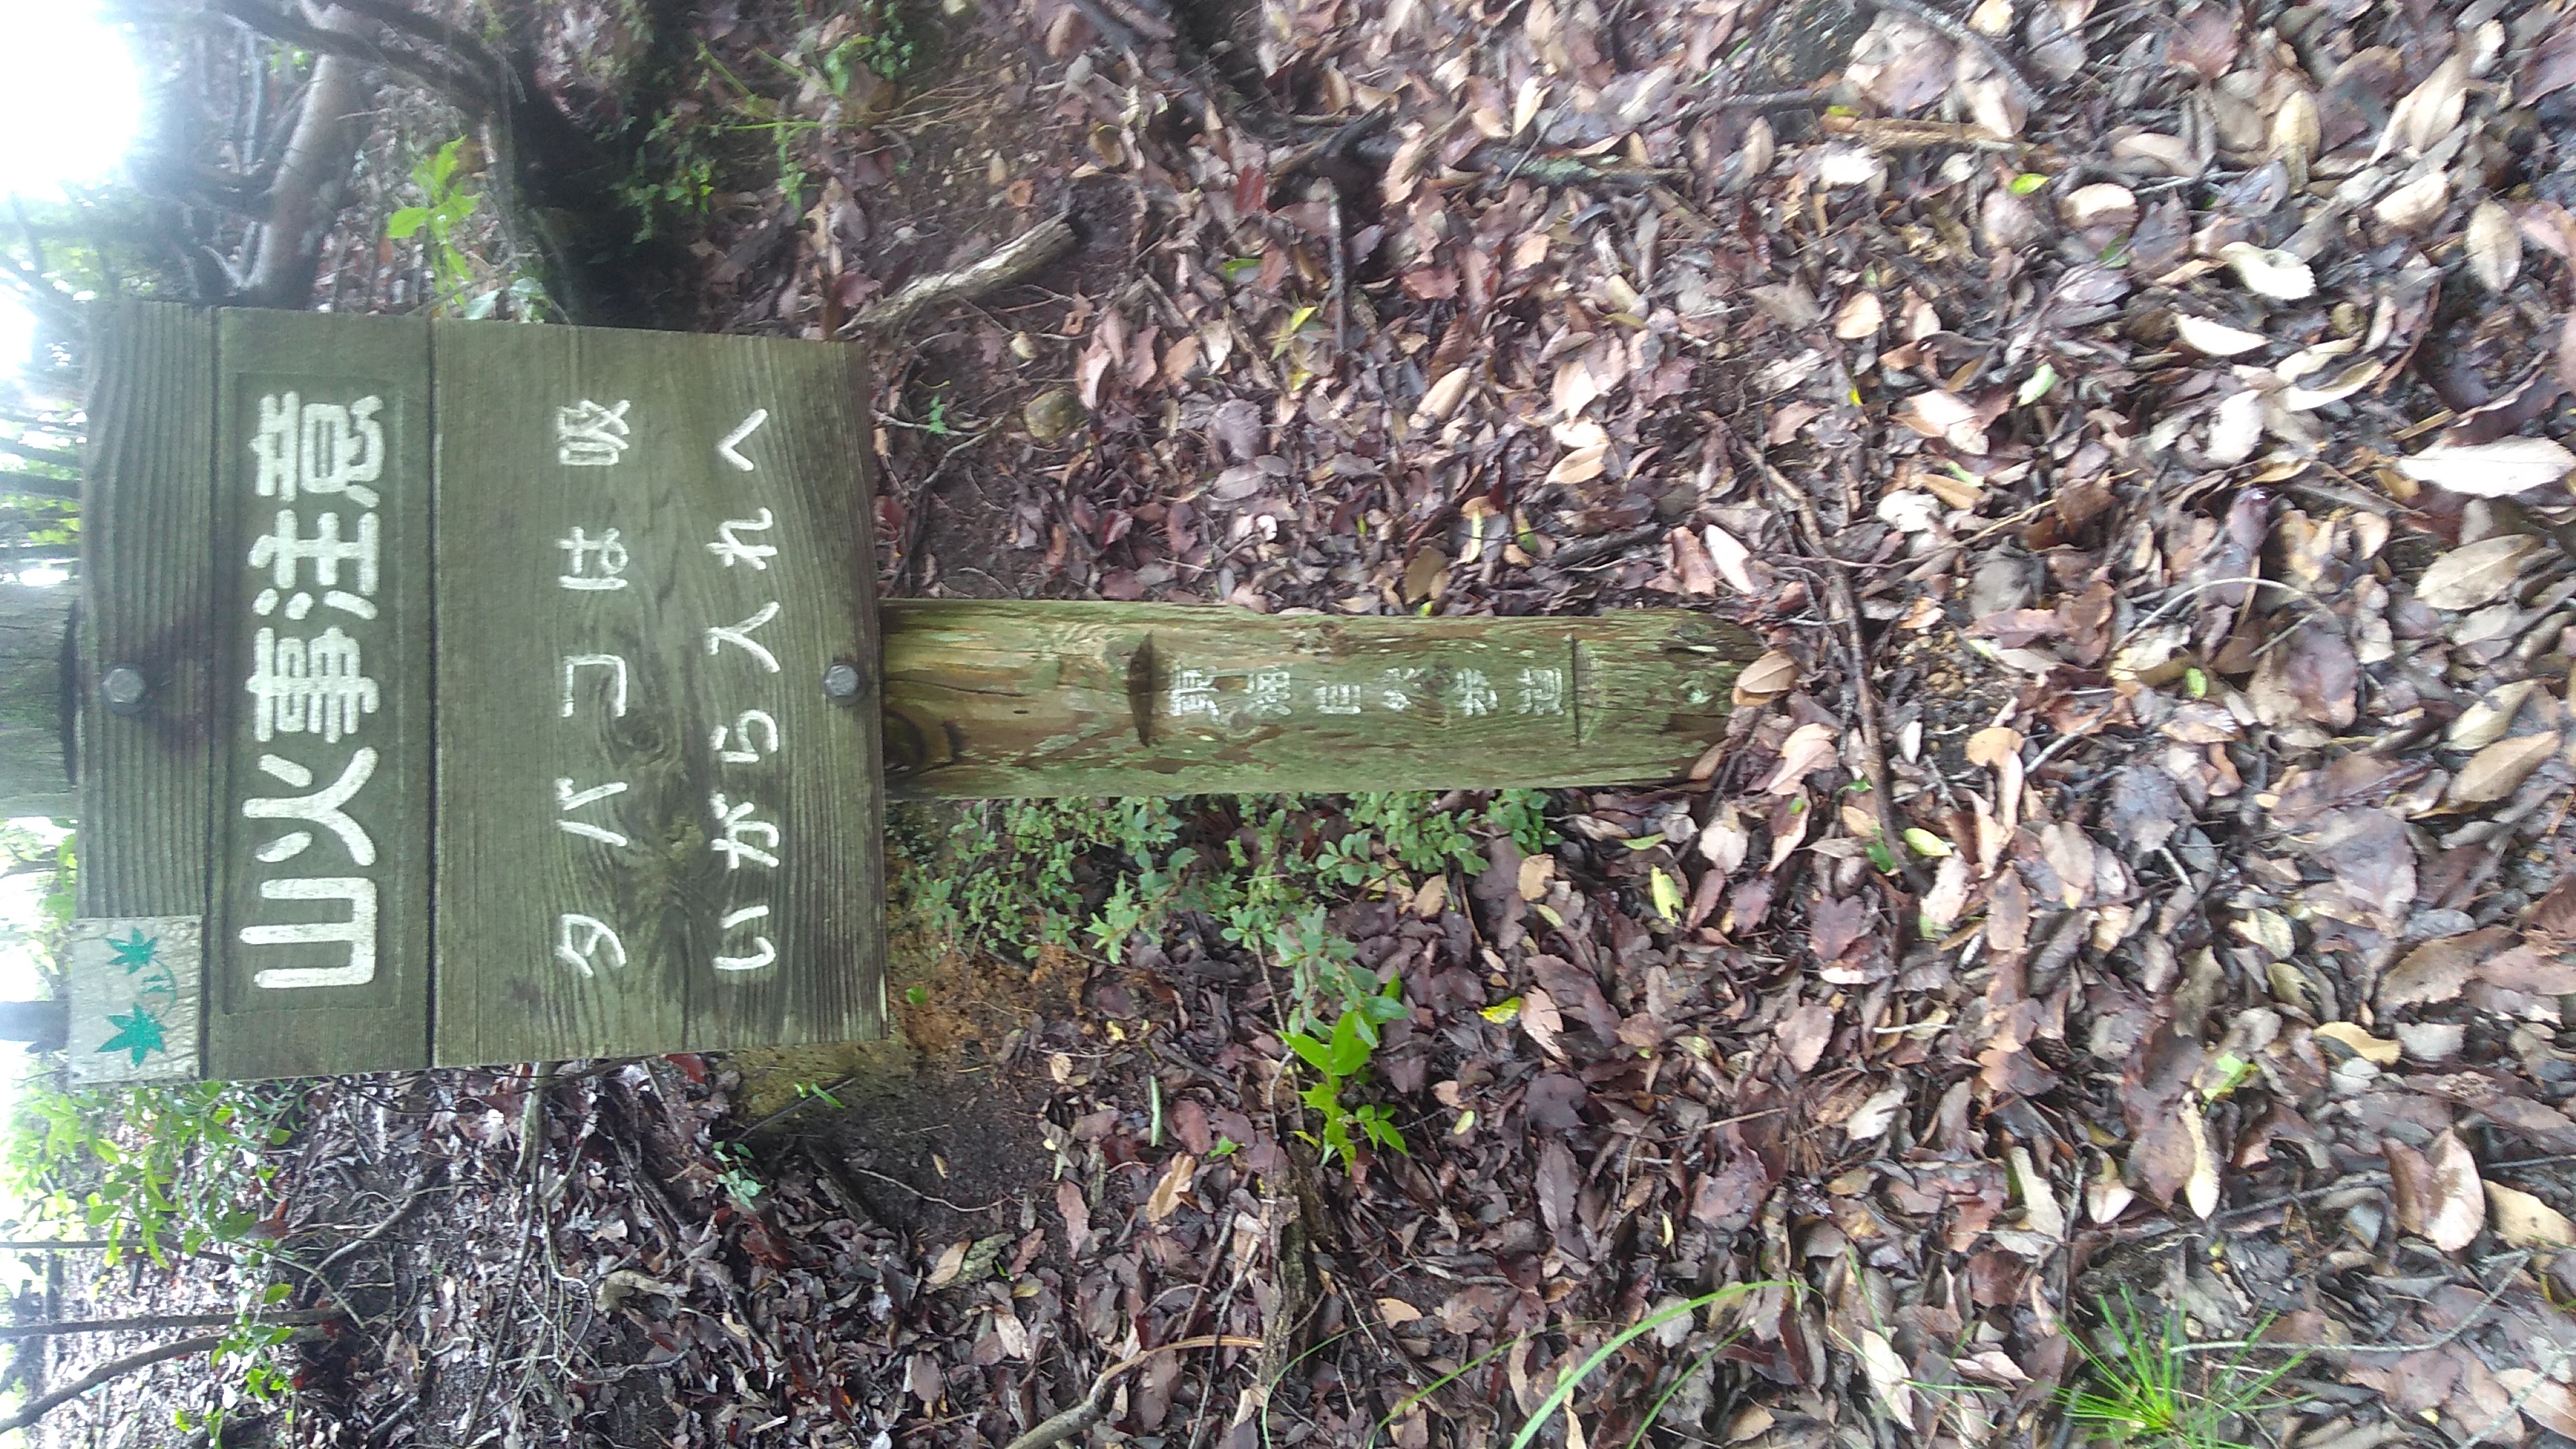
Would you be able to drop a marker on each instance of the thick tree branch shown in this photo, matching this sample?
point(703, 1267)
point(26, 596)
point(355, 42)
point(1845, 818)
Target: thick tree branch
point(115, 1368)
point(305, 198)
point(150, 1323)
point(50, 457)
point(478, 56)
point(452, 84)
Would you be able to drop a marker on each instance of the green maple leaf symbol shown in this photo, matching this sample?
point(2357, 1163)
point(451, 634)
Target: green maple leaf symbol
point(135, 951)
point(138, 1033)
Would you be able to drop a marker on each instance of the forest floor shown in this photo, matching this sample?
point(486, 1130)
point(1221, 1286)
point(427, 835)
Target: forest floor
point(2136, 888)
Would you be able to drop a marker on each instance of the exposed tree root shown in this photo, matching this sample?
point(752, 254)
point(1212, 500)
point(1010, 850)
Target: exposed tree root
point(1016, 260)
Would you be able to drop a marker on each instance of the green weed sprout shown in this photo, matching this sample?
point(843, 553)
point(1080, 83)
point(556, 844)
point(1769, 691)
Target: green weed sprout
point(1341, 1061)
point(2140, 1388)
point(449, 205)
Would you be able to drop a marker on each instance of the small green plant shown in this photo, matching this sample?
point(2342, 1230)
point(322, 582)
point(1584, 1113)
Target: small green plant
point(2141, 1385)
point(734, 1173)
point(1022, 876)
point(150, 1169)
point(673, 176)
point(446, 207)
point(1340, 1061)
point(886, 46)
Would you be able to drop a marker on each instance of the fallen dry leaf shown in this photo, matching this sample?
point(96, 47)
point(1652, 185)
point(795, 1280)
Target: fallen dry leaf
point(2103, 203)
point(1396, 1312)
point(1860, 316)
point(1731, 559)
point(2525, 1221)
point(2428, 112)
point(952, 1261)
point(2378, 1051)
point(2457, 1208)
point(2485, 721)
point(2500, 768)
point(2438, 969)
point(1946, 416)
point(1175, 1186)
point(2545, 1402)
point(2216, 339)
point(1809, 748)
point(2417, 204)
point(2499, 469)
point(1876, 1113)
point(1888, 1376)
point(2494, 245)
point(1442, 397)
point(2040, 1212)
point(1775, 673)
point(2476, 573)
point(2265, 272)
point(1803, 1034)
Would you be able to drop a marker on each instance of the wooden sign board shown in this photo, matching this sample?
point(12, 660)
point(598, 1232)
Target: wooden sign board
point(489, 693)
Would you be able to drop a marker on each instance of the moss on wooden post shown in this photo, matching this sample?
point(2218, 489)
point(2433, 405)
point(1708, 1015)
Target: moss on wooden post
point(996, 699)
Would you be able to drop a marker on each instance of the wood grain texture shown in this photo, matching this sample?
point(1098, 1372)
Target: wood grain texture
point(1004, 699)
point(650, 861)
point(285, 1027)
point(147, 509)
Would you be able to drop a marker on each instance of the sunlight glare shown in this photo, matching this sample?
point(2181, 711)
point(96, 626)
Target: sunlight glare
point(69, 106)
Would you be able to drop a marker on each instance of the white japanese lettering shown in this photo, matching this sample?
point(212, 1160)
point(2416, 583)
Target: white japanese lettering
point(321, 808)
point(729, 448)
point(1193, 692)
point(574, 663)
point(749, 723)
point(740, 636)
point(579, 940)
point(358, 932)
point(593, 565)
point(1474, 694)
point(736, 822)
point(732, 550)
point(763, 951)
point(1337, 699)
point(284, 550)
point(590, 436)
point(308, 686)
point(318, 448)
point(567, 800)
point(1396, 686)
point(1270, 694)
point(1542, 691)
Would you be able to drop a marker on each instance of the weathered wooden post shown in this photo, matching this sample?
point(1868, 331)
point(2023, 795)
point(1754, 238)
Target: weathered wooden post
point(462, 693)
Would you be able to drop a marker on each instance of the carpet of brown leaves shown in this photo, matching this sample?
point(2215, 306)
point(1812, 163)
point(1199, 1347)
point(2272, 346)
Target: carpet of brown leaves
point(2139, 865)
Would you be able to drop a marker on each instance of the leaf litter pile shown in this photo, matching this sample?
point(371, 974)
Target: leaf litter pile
point(2132, 910)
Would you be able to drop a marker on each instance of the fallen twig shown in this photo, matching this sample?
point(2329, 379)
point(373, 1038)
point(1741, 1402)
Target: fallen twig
point(954, 1207)
point(532, 1116)
point(392, 1220)
point(1016, 259)
point(1960, 31)
point(1082, 1416)
point(1846, 614)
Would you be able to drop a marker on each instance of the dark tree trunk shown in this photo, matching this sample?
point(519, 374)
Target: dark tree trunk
point(35, 704)
point(42, 1025)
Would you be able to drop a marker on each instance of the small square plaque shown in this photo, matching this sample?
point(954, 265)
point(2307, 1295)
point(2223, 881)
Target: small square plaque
point(135, 986)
